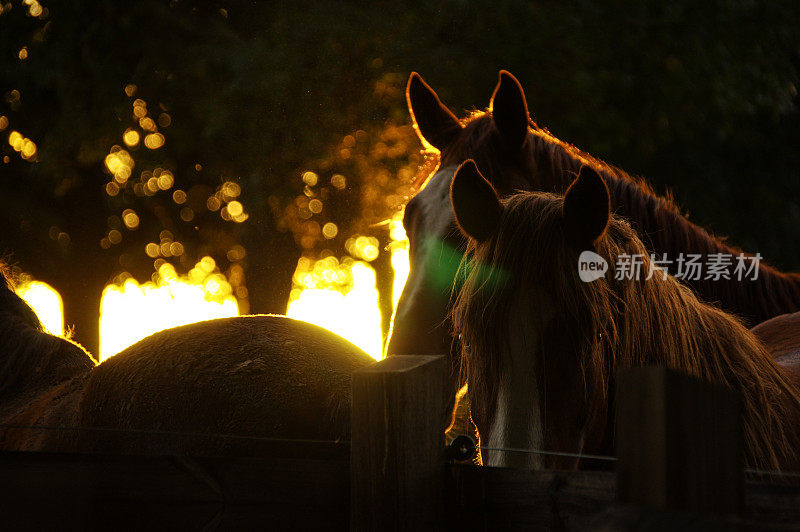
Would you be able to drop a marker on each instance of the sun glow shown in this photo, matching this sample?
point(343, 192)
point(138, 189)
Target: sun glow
point(130, 311)
point(341, 297)
point(46, 302)
point(400, 260)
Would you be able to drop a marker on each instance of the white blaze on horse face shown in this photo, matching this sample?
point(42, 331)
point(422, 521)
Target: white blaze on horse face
point(518, 420)
point(435, 208)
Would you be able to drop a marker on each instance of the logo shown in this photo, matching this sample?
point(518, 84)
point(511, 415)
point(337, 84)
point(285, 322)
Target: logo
point(591, 266)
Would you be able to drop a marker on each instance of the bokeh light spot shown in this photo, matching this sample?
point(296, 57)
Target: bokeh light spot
point(119, 163)
point(131, 137)
point(235, 208)
point(330, 230)
point(230, 190)
point(130, 218)
point(213, 203)
point(139, 108)
point(165, 180)
point(153, 141)
point(315, 206)
point(179, 197)
point(310, 178)
point(339, 181)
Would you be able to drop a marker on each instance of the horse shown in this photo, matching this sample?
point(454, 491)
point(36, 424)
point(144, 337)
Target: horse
point(219, 387)
point(541, 345)
point(516, 154)
point(779, 336)
point(41, 377)
point(249, 377)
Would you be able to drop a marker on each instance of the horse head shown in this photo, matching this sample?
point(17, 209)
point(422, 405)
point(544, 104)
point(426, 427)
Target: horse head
point(544, 332)
point(527, 351)
point(496, 139)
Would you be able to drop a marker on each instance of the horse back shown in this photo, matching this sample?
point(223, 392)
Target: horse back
point(251, 376)
point(46, 421)
point(781, 337)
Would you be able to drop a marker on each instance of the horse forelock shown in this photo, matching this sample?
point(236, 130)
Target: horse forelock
point(481, 141)
point(613, 323)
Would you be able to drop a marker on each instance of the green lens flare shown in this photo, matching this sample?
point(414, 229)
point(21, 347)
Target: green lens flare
point(443, 260)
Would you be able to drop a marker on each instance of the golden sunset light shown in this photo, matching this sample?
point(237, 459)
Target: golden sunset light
point(226, 214)
point(400, 261)
point(46, 302)
point(340, 297)
point(129, 311)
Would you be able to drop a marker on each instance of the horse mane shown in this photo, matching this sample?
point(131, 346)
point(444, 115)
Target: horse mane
point(13, 305)
point(27, 352)
point(549, 164)
point(549, 158)
point(611, 323)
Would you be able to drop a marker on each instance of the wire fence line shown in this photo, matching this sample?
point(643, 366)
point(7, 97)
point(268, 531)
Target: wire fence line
point(604, 458)
point(771, 473)
point(146, 432)
point(581, 456)
point(149, 432)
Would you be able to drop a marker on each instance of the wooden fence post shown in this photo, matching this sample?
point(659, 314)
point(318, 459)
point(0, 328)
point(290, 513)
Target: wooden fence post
point(678, 442)
point(397, 465)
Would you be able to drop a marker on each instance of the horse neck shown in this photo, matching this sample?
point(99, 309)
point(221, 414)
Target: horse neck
point(32, 360)
point(665, 230)
point(688, 335)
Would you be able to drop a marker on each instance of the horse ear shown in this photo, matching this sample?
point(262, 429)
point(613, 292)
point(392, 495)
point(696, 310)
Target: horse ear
point(586, 208)
point(433, 121)
point(475, 202)
point(510, 110)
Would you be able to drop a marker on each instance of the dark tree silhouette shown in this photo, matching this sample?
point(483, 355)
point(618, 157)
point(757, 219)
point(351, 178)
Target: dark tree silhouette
point(701, 98)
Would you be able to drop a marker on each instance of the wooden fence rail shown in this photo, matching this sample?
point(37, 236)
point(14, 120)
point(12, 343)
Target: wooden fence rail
point(281, 491)
point(679, 467)
point(397, 444)
point(679, 442)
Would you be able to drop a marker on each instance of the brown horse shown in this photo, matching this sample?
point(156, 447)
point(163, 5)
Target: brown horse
point(251, 376)
point(516, 154)
point(781, 336)
point(542, 345)
point(224, 383)
point(41, 376)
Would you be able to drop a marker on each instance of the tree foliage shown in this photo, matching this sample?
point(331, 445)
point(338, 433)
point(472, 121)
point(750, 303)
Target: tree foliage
point(700, 98)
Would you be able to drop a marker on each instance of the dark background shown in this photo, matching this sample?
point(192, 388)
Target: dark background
point(699, 97)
